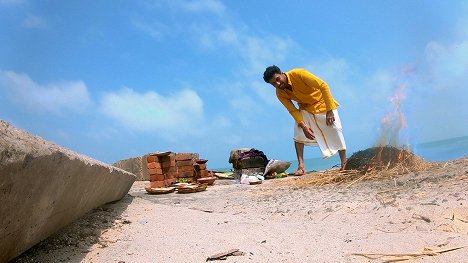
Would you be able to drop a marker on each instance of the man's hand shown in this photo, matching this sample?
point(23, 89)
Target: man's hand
point(308, 132)
point(330, 118)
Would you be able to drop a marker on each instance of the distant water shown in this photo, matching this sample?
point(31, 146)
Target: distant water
point(442, 150)
point(316, 164)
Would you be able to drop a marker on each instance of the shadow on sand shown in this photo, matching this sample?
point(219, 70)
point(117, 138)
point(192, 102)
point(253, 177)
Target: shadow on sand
point(76, 239)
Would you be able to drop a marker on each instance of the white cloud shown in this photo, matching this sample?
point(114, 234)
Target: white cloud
point(443, 91)
point(181, 112)
point(159, 28)
point(51, 98)
point(462, 24)
point(448, 62)
point(260, 52)
point(332, 68)
point(265, 91)
point(339, 75)
point(191, 6)
point(223, 33)
point(256, 50)
point(204, 35)
point(155, 29)
point(35, 22)
point(198, 6)
point(229, 35)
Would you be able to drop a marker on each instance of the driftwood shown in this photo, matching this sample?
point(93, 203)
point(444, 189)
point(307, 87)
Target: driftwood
point(224, 255)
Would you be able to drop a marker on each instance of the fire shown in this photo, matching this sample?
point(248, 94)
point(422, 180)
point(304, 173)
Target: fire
point(395, 121)
point(392, 125)
point(389, 153)
point(400, 156)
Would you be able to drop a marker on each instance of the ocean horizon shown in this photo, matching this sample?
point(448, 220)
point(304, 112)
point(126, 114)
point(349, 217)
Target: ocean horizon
point(437, 151)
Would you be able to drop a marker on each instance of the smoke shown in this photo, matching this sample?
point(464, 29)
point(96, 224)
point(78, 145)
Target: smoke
point(394, 123)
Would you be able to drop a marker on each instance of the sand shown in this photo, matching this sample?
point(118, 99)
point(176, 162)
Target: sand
point(280, 220)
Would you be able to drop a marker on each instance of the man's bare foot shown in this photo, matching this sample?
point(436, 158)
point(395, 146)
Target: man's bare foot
point(343, 166)
point(300, 171)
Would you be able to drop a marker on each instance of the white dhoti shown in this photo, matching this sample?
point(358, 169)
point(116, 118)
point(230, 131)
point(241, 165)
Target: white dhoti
point(329, 138)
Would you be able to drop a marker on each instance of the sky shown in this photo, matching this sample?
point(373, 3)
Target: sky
point(119, 79)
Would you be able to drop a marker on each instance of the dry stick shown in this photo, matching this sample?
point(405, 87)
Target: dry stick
point(407, 256)
point(390, 190)
point(359, 179)
point(330, 213)
point(222, 255)
point(401, 229)
point(416, 216)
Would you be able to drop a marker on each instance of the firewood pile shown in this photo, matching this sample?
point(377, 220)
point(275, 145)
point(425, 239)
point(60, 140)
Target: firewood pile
point(385, 158)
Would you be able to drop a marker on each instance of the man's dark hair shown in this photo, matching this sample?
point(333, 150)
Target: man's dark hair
point(270, 72)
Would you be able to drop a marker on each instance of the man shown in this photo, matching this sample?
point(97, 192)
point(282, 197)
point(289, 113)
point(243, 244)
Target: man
point(317, 119)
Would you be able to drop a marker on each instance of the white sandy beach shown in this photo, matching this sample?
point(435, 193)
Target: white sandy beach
point(277, 221)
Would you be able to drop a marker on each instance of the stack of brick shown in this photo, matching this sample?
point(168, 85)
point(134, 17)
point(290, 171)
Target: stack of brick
point(184, 163)
point(201, 171)
point(161, 169)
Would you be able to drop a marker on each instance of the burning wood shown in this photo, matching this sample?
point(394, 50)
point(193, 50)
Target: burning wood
point(384, 158)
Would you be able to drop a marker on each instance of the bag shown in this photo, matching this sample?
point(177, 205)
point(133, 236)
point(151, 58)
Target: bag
point(276, 166)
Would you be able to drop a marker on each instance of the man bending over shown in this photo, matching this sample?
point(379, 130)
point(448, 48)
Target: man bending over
point(317, 119)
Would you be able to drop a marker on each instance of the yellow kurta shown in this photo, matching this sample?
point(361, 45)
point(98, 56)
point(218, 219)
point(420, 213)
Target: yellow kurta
point(310, 92)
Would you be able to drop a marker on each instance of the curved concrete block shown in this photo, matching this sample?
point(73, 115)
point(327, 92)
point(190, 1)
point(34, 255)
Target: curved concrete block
point(44, 187)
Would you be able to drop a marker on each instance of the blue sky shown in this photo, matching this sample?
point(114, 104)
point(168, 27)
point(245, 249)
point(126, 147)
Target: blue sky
point(120, 79)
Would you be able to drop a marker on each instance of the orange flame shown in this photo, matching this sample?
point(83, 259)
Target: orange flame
point(393, 122)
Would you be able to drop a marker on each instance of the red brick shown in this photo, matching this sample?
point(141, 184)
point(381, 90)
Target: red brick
point(204, 173)
point(168, 163)
point(184, 163)
point(186, 168)
point(166, 158)
point(155, 171)
point(151, 158)
point(170, 175)
point(153, 165)
point(202, 166)
point(184, 156)
point(157, 177)
point(185, 174)
point(171, 169)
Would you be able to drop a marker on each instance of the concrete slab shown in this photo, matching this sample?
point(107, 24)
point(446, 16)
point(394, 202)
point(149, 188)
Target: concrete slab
point(44, 187)
point(136, 166)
